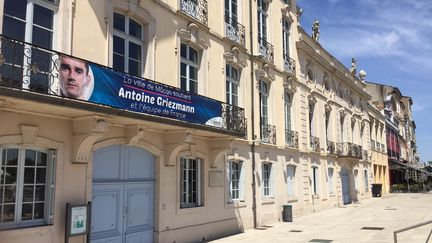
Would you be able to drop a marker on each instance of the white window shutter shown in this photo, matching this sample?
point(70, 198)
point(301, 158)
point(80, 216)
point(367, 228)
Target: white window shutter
point(49, 214)
point(271, 183)
point(242, 182)
point(228, 179)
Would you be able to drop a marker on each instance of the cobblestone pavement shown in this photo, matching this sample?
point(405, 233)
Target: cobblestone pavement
point(344, 224)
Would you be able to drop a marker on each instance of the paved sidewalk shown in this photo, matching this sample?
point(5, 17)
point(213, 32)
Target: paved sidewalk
point(344, 224)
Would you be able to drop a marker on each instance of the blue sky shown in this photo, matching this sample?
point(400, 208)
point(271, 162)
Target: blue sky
point(392, 41)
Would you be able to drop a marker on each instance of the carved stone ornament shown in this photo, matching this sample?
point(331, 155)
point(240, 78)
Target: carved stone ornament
point(234, 58)
point(177, 143)
point(191, 34)
point(135, 134)
point(265, 73)
point(311, 99)
point(289, 85)
point(29, 134)
point(86, 132)
point(218, 150)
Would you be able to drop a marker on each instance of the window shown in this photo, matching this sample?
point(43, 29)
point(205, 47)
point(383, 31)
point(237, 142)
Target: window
point(311, 116)
point(262, 21)
point(366, 181)
point(342, 119)
point(314, 180)
point(127, 45)
point(26, 187)
point(231, 13)
point(189, 66)
point(267, 181)
point(310, 75)
point(330, 180)
point(287, 109)
point(286, 26)
point(190, 178)
point(235, 180)
point(291, 180)
point(263, 96)
point(232, 85)
point(327, 124)
point(30, 22)
point(356, 182)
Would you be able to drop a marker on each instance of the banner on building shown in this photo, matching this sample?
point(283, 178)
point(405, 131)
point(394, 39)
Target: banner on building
point(105, 86)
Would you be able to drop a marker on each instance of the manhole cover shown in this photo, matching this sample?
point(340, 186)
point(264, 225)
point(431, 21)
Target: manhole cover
point(372, 228)
point(296, 231)
point(320, 240)
point(390, 208)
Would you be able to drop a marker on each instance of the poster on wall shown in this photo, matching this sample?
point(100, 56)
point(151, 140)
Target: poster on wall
point(77, 219)
point(98, 84)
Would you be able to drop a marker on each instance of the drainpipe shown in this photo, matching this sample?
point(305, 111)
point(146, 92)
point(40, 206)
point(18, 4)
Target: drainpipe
point(251, 58)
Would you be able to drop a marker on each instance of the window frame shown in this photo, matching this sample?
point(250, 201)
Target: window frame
point(267, 180)
point(262, 8)
point(184, 182)
point(127, 39)
point(366, 180)
point(315, 180)
point(29, 26)
point(189, 63)
point(286, 33)
point(231, 82)
point(49, 187)
point(264, 98)
point(240, 181)
point(330, 180)
point(287, 110)
point(291, 185)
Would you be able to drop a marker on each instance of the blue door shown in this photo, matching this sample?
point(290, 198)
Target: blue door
point(345, 187)
point(123, 195)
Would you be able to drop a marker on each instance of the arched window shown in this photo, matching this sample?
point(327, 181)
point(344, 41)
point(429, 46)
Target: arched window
point(127, 45)
point(310, 75)
point(232, 85)
point(189, 67)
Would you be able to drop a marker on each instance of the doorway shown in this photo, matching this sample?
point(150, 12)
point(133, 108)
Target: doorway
point(123, 195)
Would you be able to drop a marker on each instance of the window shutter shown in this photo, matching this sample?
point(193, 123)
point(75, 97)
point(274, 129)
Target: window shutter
point(317, 181)
point(271, 180)
point(242, 182)
point(228, 179)
point(49, 214)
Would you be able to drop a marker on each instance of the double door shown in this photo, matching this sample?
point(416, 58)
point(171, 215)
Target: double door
point(122, 196)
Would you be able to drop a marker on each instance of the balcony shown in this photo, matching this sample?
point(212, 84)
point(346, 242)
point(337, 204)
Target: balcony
point(315, 144)
point(291, 138)
point(331, 147)
point(196, 9)
point(266, 50)
point(32, 72)
point(235, 31)
point(289, 65)
point(233, 118)
point(268, 133)
point(349, 150)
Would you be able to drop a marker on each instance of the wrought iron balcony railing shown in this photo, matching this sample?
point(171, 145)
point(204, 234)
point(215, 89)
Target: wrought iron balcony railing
point(266, 50)
point(235, 31)
point(28, 67)
point(289, 65)
point(372, 144)
point(365, 155)
point(268, 133)
point(315, 144)
point(331, 147)
point(349, 150)
point(233, 118)
point(196, 9)
point(291, 138)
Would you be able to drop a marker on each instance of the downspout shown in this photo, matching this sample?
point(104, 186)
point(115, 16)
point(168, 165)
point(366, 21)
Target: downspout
point(251, 58)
